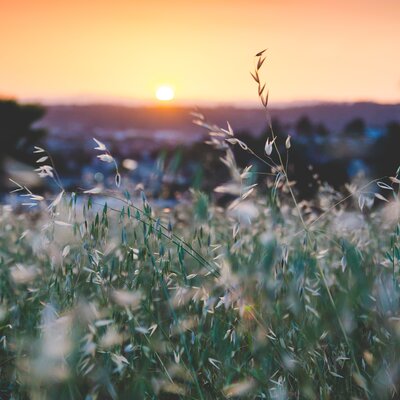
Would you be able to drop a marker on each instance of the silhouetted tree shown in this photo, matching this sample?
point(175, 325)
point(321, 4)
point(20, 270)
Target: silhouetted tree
point(321, 130)
point(387, 150)
point(17, 135)
point(304, 126)
point(355, 128)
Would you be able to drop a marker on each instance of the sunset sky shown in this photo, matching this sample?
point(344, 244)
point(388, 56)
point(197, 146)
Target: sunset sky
point(122, 50)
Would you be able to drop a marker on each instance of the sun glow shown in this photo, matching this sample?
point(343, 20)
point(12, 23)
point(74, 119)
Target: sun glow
point(165, 93)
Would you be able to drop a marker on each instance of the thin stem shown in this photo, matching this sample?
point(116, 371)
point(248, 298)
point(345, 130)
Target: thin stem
point(274, 165)
point(342, 200)
point(260, 173)
point(156, 353)
point(342, 328)
point(177, 241)
point(285, 172)
point(129, 204)
point(56, 179)
point(183, 340)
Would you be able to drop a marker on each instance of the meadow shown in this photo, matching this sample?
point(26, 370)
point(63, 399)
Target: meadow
point(105, 296)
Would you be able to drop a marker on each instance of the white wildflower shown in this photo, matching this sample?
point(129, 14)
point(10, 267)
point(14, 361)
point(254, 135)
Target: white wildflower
point(44, 171)
point(287, 143)
point(66, 251)
point(239, 389)
point(105, 158)
point(268, 146)
point(56, 201)
point(42, 159)
point(100, 146)
point(95, 190)
point(38, 149)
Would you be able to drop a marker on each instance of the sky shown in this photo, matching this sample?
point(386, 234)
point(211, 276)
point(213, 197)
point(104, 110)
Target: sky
point(123, 50)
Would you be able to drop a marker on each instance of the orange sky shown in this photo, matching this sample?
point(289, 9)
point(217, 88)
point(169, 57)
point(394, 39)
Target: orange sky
point(56, 50)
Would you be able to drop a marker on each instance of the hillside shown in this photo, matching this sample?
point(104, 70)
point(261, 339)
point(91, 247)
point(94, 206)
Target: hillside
point(86, 119)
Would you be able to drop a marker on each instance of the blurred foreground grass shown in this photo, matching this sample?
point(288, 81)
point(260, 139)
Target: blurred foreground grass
point(199, 302)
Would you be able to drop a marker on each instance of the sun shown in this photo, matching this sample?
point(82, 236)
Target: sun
point(165, 93)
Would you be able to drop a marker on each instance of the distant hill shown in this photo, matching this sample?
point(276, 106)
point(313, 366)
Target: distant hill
point(87, 119)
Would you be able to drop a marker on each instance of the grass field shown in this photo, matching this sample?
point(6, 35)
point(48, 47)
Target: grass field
point(265, 298)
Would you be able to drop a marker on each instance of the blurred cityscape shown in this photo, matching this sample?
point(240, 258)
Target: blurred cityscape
point(331, 143)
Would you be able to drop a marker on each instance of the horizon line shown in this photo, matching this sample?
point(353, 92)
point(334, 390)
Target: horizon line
point(129, 102)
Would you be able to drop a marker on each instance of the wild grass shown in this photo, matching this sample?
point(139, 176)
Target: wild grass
point(266, 298)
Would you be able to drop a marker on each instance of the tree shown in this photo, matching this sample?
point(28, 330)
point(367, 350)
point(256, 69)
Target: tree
point(322, 130)
point(387, 150)
point(304, 126)
point(355, 128)
point(17, 134)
